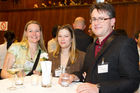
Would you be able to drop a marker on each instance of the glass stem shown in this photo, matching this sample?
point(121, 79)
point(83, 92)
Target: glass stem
point(13, 80)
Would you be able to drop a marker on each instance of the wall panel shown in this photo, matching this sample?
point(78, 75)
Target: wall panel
point(127, 17)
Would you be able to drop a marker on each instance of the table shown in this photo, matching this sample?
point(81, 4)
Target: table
point(29, 88)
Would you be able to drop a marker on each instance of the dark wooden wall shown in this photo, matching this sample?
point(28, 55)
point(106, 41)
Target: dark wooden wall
point(20, 4)
point(47, 17)
point(127, 17)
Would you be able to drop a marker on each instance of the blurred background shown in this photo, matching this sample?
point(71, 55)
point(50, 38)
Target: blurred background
point(51, 12)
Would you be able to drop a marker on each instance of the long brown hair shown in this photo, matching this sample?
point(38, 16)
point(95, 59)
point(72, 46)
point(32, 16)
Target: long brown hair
point(73, 51)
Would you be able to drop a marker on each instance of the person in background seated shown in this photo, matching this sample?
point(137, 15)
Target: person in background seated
point(25, 52)
point(66, 58)
point(111, 63)
point(91, 32)
point(80, 36)
point(52, 42)
point(9, 38)
point(137, 39)
point(121, 32)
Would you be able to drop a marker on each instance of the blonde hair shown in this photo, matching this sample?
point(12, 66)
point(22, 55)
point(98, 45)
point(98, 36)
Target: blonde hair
point(41, 41)
point(73, 50)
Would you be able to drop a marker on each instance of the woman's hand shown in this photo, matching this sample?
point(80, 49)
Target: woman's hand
point(36, 72)
point(72, 78)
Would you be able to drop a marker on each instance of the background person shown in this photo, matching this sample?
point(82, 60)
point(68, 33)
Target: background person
point(9, 38)
point(121, 32)
point(82, 39)
point(91, 32)
point(26, 51)
point(52, 42)
point(137, 39)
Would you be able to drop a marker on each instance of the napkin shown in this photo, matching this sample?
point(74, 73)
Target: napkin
point(46, 67)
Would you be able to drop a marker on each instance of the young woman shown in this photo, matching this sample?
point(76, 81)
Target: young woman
point(66, 58)
point(25, 52)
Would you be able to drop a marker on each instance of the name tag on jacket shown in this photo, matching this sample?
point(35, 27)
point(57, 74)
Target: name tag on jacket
point(103, 68)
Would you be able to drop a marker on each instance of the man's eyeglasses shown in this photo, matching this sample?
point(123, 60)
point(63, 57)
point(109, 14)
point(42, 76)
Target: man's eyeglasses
point(100, 19)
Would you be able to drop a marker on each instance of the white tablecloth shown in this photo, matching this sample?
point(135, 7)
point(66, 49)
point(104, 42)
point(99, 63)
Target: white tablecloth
point(29, 88)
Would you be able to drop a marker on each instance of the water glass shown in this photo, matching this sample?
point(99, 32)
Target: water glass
point(65, 80)
point(34, 79)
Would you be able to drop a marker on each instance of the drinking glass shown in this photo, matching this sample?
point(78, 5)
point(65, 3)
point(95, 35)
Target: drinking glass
point(20, 75)
point(34, 79)
point(65, 80)
point(13, 72)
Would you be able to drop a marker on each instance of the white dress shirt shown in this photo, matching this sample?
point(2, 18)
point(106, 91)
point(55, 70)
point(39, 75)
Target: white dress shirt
point(3, 51)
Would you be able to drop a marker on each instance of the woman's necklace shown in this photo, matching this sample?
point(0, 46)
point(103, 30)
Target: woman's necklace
point(64, 60)
point(32, 53)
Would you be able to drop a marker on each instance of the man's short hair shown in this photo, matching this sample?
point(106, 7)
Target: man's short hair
point(102, 7)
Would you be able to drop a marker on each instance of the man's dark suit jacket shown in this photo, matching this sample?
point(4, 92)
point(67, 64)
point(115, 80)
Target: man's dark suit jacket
point(82, 40)
point(120, 53)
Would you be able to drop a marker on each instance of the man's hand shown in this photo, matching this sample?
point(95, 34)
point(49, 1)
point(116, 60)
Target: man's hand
point(87, 88)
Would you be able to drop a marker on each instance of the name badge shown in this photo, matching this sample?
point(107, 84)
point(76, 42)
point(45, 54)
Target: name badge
point(58, 72)
point(103, 68)
point(28, 65)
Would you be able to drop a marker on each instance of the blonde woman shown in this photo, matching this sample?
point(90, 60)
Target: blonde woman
point(25, 52)
point(66, 55)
